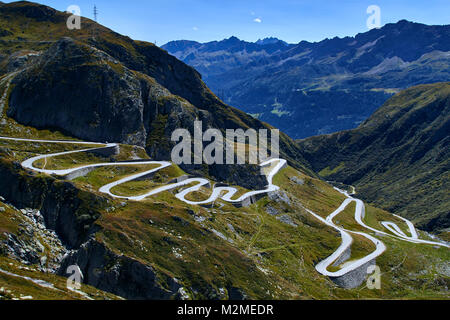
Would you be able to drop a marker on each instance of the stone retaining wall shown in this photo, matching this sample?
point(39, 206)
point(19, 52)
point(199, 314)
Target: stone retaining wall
point(355, 278)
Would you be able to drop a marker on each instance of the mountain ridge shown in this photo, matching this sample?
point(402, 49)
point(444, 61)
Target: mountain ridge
point(397, 159)
point(160, 92)
point(322, 87)
point(223, 55)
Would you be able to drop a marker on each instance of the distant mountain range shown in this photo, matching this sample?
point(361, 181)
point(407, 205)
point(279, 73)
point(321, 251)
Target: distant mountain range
point(215, 58)
point(317, 88)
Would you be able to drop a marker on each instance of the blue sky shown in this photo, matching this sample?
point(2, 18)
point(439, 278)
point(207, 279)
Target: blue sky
point(289, 20)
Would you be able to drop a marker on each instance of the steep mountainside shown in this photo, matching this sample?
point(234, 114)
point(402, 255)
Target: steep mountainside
point(97, 85)
point(164, 248)
point(332, 85)
point(138, 228)
point(399, 158)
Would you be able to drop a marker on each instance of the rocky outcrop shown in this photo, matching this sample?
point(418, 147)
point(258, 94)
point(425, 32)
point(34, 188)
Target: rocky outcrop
point(19, 60)
point(118, 274)
point(287, 220)
point(68, 211)
point(82, 91)
point(33, 244)
point(279, 196)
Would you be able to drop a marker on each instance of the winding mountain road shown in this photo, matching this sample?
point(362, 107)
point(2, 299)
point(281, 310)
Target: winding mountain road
point(226, 194)
point(347, 240)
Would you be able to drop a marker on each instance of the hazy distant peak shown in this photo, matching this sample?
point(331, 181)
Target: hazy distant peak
point(270, 40)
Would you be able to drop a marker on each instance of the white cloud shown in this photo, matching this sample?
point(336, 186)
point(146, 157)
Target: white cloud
point(258, 20)
point(195, 28)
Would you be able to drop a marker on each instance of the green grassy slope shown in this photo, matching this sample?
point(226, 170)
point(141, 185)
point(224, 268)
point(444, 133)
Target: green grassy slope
point(398, 159)
point(265, 251)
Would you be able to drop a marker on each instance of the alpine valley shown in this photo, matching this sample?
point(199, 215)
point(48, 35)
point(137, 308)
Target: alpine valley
point(87, 182)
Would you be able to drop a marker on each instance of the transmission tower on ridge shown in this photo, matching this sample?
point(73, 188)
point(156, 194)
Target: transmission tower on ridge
point(94, 30)
point(95, 13)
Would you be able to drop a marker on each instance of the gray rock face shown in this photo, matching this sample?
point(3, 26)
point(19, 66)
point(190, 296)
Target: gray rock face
point(27, 246)
point(286, 219)
point(279, 196)
point(272, 211)
point(24, 251)
point(297, 180)
point(20, 59)
point(120, 275)
point(83, 91)
point(113, 88)
point(60, 204)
